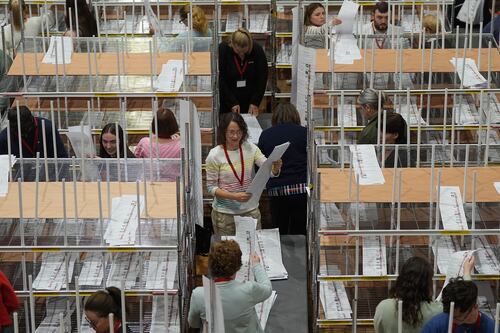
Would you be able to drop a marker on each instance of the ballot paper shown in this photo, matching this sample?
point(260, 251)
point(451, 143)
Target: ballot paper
point(55, 306)
point(455, 267)
point(347, 14)
point(213, 307)
point(471, 74)
point(304, 85)
point(330, 216)
point(486, 260)
point(268, 247)
point(52, 274)
point(92, 271)
point(64, 47)
point(123, 224)
point(160, 265)
point(468, 12)
point(259, 21)
point(263, 309)
point(262, 176)
point(334, 300)
point(497, 186)
point(346, 50)
point(451, 208)
point(171, 76)
point(374, 256)
point(81, 141)
point(412, 114)
point(4, 173)
point(284, 54)
point(464, 115)
point(158, 315)
point(254, 128)
point(366, 167)
point(124, 267)
point(411, 23)
point(245, 237)
point(443, 247)
point(346, 115)
point(233, 21)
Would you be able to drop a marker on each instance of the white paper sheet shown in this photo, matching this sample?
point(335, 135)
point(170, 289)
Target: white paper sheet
point(347, 14)
point(443, 248)
point(4, 173)
point(52, 274)
point(366, 165)
point(254, 128)
point(263, 309)
point(262, 176)
point(472, 77)
point(468, 12)
point(334, 300)
point(455, 267)
point(158, 315)
point(233, 21)
point(92, 271)
point(306, 69)
point(486, 260)
point(259, 21)
point(124, 267)
point(412, 114)
point(374, 256)
point(245, 237)
point(464, 115)
point(346, 50)
point(330, 216)
point(159, 266)
point(123, 225)
point(154, 22)
point(348, 114)
point(171, 76)
point(64, 48)
point(268, 247)
point(215, 318)
point(451, 208)
point(81, 141)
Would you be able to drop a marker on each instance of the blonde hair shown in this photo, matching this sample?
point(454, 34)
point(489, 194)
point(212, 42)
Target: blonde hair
point(17, 7)
point(200, 22)
point(241, 38)
point(430, 23)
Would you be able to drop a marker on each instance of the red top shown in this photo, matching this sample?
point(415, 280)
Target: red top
point(8, 301)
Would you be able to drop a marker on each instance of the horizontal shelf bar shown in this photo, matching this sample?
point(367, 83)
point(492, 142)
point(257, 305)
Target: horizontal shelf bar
point(88, 292)
point(88, 248)
point(409, 232)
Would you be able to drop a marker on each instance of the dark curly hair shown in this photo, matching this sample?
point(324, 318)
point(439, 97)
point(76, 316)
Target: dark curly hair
point(225, 120)
point(224, 259)
point(462, 293)
point(413, 286)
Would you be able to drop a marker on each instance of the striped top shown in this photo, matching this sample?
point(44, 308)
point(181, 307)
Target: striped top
point(220, 175)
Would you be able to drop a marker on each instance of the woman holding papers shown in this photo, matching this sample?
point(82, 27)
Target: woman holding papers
point(413, 287)
point(80, 22)
point(230, 170)
point(100, 305)
point(242, 74)
point(111, 145)
point(238, 298)
point(315, 26)
point(287, 193)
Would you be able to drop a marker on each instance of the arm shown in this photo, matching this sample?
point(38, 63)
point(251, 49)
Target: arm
point(139, 149)
point(261, 288)
point(194, 318)
point(261, 68)
point(224, 88)
point(61, 150)
point(8, 295)
point(378, 319)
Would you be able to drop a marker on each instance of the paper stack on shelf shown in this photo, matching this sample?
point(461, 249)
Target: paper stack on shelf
point(412, 114)
point(374, 256)
point(54, 307)
point(171, 76)
point(4, 173)
point(52, 274)
point(486, 260)
point(269, 249)
point(158, 315)
point(471, 75)
point(443, 247)
point(159, 266)
point(366, 166)
point(346, 115)
point(92, 271)
point(451, 208)
point(233, 21)
point(334, 300)
point(330, 216)
point(259, 21)
point(123, 224)
point(465, 114)
point(124, 267)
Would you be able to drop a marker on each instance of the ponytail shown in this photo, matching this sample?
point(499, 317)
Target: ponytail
point(104, 302)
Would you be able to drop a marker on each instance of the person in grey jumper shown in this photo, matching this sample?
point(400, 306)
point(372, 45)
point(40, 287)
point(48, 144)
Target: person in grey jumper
point(238, 298)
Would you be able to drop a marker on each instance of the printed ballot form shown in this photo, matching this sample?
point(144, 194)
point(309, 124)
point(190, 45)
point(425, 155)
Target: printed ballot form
point(469, 75)
point(81, 141)
point(451, 208)
point(60, 51)
point(455, 267)
point(365, 163)
point(171, 76)
point(254, 128)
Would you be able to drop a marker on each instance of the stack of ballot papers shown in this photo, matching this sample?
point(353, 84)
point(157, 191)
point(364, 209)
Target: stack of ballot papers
point(60, 51)
point(158, 315)
point(263, 309)
point(455, 266)
point(374, 256)
point(365, 163)
point(465, 114)
point(334, 300)
point(346, 47)
point(92, 271)
point(171, 76)
point(4, 172)
point(161, 266)
point(52, 274)
point(471, 76)
point(451, 208)
point(443, 247)
point(57, 308)
point(81, 141)
point(124, 267)
point(412, 114)
point(122, 226)
point(486, 260)
point(330, 216)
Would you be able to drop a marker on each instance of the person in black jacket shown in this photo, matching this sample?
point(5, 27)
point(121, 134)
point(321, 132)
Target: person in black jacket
point(288, 192)
point(243, 74)
point(31, 136)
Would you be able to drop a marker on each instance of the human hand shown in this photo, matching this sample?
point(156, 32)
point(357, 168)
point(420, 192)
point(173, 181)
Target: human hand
point(277, 166)
point(241, 196)
point(336, 21)
point(255, 259)
point(175, 136)
point(469, 265)
point(235, 109)
point(152, 30)
point(253, 110)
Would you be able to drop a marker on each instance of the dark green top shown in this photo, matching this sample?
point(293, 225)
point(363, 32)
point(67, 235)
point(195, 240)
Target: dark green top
point(369, 133)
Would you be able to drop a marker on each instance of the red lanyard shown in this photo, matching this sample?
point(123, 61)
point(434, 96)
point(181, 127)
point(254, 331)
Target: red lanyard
point(239, 68)
point(476, 329)
point(223, 279)
point(378, 44)
point(232, 166)
point(32, 148)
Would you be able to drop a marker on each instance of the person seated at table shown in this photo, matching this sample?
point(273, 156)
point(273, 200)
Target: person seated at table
point(100, 305)
point(315, 25)
point(414, 287)
point(32, 141)
point(395, 134)
point(166, 141)
point(466, 314)
point(238, 298)
point(21, 20)
point(85, 25)
point(109, 142)
point(368, 99)
point(199, 22)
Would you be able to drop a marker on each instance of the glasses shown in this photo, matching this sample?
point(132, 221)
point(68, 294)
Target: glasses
point(92, 324)
point(234, 133)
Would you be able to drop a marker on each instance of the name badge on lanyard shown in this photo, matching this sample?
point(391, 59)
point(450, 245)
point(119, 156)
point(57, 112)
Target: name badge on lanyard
point(242, 83)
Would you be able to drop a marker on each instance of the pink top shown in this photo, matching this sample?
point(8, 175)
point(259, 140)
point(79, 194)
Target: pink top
point(170, 149)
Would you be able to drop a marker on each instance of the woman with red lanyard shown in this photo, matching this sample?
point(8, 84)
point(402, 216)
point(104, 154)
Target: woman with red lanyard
point(242, 74)
point(100, 305)
point(230, 170)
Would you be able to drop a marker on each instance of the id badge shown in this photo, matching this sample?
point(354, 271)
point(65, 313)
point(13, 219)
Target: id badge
point(241, 84)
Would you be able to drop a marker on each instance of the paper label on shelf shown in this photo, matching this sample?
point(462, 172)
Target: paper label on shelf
point(486, 260)
point(366, 166)
point(263, 309)
point(334, 300)
point(443, 248)
point(52, 274)
point(254, 128)
point(269, 249)
point(171, 76)
point(455, 267)
point(374, 256)
point(81, 141)
point(123, 224)
point(92, 270)
point(64, 47)
point(451, 208)
point(471, 76)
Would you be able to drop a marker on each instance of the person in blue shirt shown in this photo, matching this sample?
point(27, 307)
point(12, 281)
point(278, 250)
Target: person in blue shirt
point(493, 26)
point(466, 315)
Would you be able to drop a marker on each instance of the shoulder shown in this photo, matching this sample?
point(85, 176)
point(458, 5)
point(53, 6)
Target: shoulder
point(249, 147)
point(437, 322)
point(214, 152)
point(387, 306)
point(224, 47)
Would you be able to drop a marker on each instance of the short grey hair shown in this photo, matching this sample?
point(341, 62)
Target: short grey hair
point(369, 96)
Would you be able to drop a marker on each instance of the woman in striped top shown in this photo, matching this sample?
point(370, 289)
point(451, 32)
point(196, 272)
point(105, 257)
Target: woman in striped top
point(315, 26)
point(230, 170)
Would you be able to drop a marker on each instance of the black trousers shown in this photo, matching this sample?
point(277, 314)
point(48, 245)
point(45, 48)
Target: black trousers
point(289, 213)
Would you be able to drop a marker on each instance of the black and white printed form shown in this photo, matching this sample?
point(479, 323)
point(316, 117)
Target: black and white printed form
point(451, 208)
point(455, 266)
point(347, 114)
point(268, 247)
point(486, 260)
point(346, 47)
point(81, 141)
point(124, 267)
point(464, 114)
point(159, 312)
point(161, 265)
point(254, 128)
point(245, 237)
point(60, 51)
point(365, 163)
point(171, 76)
point(443, 247)
point(471, 76)
point(54, 307)
point(92, 271)
point(374, 256)
point(259, 21)
point(334, 300)
point(213, 307)
point(52, 274)
point(122, 227)
point(412, 114)
point(330, 216)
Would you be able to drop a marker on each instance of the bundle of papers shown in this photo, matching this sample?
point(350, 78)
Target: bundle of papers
point(411, 114)
point(269, 250)
point(455, 267)
point(486, 260)
point(52, 274)
point(124, 267)
point(346, 115)
point(233, 21)
point(471, 76)
point(346, 50)
point(258, 21)
point(123, 224)
point(465, 115)
point(451, 208)
point(334, 300)
point(92, 271)
point(374, 256)
point(330, 216)
point(443, 248)
point(161, 265)
point(4, 173)
point(158, 315)
point(254, 128)
point(60, 51)
point(57, 308)
point(263, 309)
point(171, 76)
point(365, 163)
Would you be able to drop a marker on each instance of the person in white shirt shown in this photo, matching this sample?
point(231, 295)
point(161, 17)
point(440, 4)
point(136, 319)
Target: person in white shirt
point(31, 26)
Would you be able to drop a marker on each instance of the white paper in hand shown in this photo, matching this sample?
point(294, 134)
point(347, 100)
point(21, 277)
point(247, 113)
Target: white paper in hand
point(64, 47)
point(455, 267)
point(81, 141)
point(347, 14)
point(254, 128)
